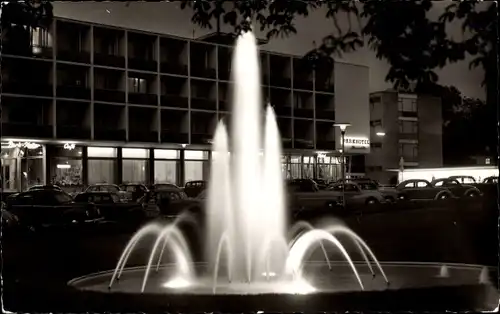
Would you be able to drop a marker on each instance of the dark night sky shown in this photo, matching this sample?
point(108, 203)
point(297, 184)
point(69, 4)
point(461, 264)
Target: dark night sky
point(163, 17)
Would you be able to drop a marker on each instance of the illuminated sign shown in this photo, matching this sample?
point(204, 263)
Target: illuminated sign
point(69, 146)
point(356, 142)
point(27, 145)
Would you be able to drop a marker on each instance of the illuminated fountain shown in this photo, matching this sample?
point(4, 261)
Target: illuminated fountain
point(248, 250)
point(245, 234)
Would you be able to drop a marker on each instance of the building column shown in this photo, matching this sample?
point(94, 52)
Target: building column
point(85, 166)
point(151, 173)
point(181, 176)
point(46, 158)
point(119, 165)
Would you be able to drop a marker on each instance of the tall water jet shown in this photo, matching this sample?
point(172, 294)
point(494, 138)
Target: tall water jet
point(246, 146)
point(272, 210)
point(219, 216)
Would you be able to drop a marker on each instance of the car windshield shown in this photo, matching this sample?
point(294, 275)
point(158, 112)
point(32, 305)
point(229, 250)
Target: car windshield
point(164, 186)
point(466, 180)
point(367, 186)
point(62, 197)
point(115, 198)
point(201, 196)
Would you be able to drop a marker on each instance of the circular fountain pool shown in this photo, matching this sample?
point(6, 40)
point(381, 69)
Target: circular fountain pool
point(411, 285)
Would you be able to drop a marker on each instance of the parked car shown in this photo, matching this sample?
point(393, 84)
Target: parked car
point(106, 187)
point(112, 208)
point(41, 208)
point(419, 189)
point(45, 187)
point(491, 180)
point(305, 194)
point(321, 184)
point(464, 179)
point(389, 193)
point(365, 193)
point(193, 188)
point(171, 202)
point(103, 187)
point(164, 186)
point(8, 219)
point(134, 191)
point(458, 189)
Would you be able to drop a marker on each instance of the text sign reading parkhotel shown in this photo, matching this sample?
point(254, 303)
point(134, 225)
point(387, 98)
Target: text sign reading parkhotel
point(356, 142)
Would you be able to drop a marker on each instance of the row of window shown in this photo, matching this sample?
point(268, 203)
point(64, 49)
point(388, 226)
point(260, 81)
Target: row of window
point(409, 151)
point(407, 104)
point(71, 167)
point(408, 127)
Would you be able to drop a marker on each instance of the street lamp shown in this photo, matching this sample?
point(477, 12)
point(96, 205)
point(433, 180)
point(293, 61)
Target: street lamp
point(380, 133)
point(343, 127)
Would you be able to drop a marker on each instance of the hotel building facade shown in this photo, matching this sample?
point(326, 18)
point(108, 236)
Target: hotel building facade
point(89, 103)
point(413, 128)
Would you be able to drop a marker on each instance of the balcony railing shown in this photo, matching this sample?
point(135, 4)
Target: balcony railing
point(408, 136)
point(201, 138)
point(303, 143)
point(143, 99)
point(203, 72)
point(109, 60)
point(142, 64)
point(283, 111)
point(27, 88)
point(174, 68)
point(74, 56)
point(286, 142)
point(302, 84)
point(109, 134)
point(325, 114)
point(76, 92)
point(109, 95)
point(408, 114)
point(303, 113)
point(77, 132)
point(143, 136)
point(325, 144)
point(169, 136)
point(280, 81)
point(203, 103)
point(18, 129)
point(174, 101)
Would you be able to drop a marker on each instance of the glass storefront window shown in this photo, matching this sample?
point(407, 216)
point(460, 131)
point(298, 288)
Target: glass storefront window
point(66, 167)
point(10, 175)
point(294, 170)
point(196, 170)
point(196, 165)
point(102, 164)
point(22, 165)
point(32, 172)
point(196, 155)
point(101, 171)
point(135, 165)
point(166, 166)
point(167, 154)
point(98, 152)
point(134, 171)
point(166, 171)
point(139, 153)
point(308, 167)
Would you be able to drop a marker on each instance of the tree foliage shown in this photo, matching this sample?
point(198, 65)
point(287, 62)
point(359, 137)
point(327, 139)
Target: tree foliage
point(276, 17)
point(399, 32)
point(17, 20)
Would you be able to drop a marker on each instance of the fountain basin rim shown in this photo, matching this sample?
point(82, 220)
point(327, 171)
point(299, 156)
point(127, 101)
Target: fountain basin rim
point(75, 281)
